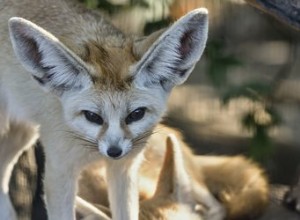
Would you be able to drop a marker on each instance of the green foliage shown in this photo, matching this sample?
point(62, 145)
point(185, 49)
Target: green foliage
point(150, 27)
point(219, 63)
point(139, 3)
point(114, 8)
point(259, 121)
point(261, 144)
point(261, 118)
point(90, 3)
point(255, 91)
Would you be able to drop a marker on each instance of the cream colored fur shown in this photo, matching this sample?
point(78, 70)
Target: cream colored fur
point(172, 198)
point(238, 183)
point(60, 64)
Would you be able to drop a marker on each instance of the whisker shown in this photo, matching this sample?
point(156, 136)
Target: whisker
point(141, 139)
point(88, 143)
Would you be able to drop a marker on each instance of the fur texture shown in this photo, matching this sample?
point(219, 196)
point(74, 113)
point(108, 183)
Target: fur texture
point(16, 136)
point(76, 76)
point(174, 183)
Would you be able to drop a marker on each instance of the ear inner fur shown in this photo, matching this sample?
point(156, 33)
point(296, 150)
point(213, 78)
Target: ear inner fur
point(165, 186)
point(172, 57)
point(53, 65)
point(173, 179)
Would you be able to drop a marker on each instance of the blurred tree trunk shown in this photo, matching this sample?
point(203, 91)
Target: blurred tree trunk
point(287, 11)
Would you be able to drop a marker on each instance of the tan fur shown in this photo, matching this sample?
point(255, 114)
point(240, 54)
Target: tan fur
point(172, 198)
point(244, 189)
point(237, 182)
point(91, 37)
point(111, 64)
point(168, 202)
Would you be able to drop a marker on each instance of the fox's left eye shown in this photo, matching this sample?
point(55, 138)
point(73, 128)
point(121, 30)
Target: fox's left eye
point(136, 115)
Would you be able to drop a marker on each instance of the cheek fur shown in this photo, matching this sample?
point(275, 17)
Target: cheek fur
point(144, 125)
point(80, 125)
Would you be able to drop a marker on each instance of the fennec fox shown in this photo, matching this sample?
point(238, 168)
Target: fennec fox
point(94, 93)
point(173, 179)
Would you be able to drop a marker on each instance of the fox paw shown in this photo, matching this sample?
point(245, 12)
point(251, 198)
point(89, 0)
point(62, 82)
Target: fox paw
point(292, 198)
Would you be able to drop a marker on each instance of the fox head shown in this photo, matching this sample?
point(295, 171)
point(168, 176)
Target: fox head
point(174, 196)
point(114, 90)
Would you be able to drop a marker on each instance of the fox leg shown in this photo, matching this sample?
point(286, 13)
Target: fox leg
point(16, 138)
point(60, 185)
point(122, 177)
point(64, 161)
point(60, 188)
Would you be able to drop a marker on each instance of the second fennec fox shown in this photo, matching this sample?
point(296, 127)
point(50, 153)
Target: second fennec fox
point(94, 93)
point(174, 183)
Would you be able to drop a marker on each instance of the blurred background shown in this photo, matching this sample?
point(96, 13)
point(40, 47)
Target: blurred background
point(243, 96)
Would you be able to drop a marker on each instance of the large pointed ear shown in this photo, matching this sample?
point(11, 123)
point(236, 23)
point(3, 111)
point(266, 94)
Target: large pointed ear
point(172, 57)
point(51, 64)
point(174, 180)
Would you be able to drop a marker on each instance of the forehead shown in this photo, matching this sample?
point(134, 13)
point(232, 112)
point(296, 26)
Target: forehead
point(110, 64)
point(110, 101)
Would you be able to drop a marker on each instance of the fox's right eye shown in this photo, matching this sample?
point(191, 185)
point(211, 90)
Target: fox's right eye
point(93, 117)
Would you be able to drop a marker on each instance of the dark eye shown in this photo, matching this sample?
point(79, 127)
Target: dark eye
point(136, 115)
point(93, 117)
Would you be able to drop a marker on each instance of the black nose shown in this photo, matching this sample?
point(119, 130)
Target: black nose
point(114, 152)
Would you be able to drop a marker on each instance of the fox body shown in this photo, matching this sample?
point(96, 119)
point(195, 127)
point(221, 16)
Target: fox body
point(170, 181)
point(171, 198)
point(94, 94)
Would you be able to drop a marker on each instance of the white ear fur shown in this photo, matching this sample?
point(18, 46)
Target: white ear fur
point(54, 66)
point(173, 56)
point(174, 179)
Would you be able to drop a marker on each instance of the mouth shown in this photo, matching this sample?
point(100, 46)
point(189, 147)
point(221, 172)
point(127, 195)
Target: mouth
point(114, 158)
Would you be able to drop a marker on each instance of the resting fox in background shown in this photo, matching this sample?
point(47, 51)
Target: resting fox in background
point(176, 184)
point(92, 92)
